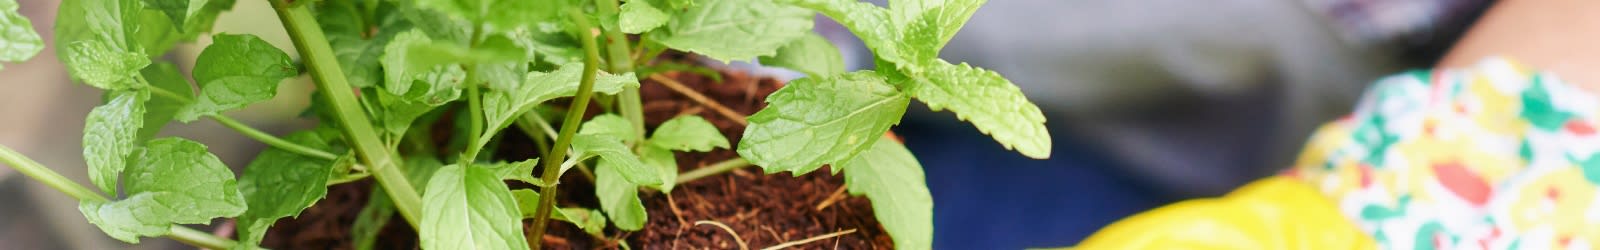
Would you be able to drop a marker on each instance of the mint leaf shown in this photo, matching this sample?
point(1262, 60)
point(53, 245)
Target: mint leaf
point(989, 101)
point(489, 12)
point(815, 121)
point(95, 47)
point(358, 54)
point(18, 41)
point(518, 171)
point(517, 49)
point(638, 16)
point(811, 54)
point(469, 208)
point(414, 59)
point(609, 124)
point(173, 181)
point(501, 106)
point(280, 183)
point(590, 220)
point(110, 134)
point(928, 24)
point(179, 11)
point(236, 71)
point(890, 176)
point(420, 170)
point(869, 22)
point(619, 198)
point(729, 30)
point(398, 113)
point(664, 162)
point(159, 110)
point(610, 149)
point(688, 133)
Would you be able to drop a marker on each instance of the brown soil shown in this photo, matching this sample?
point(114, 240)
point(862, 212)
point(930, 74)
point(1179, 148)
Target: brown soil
point(763, 210)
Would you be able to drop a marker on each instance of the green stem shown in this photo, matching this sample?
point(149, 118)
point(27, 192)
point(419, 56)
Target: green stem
point(569, 127)
point(474, 120)
point(324, 68)
point(274, 141)
point(530, 117)
point(60, 183)
point(718, 168)
point(170, 94)
point(621, 63)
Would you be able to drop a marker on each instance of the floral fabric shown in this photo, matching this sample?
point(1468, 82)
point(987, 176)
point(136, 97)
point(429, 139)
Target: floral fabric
point(1492, 157)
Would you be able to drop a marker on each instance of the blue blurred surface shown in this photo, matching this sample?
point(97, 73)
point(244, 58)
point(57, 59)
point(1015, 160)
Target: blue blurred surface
point(986, 197)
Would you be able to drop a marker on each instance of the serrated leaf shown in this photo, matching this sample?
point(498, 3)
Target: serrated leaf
point(236, 71)
point(159, 110)
point(639, 16)
point(611, 149)
point(517, 47)
point(501, 106)
point(173, 181)
point(398, 113)
point(279, 184)
point(688, 133)
point(664, 162)
point(730, 30)
point(18, 41)
point(928, 25)
point(519, 171)
point(94, 44)
point(110, 135)
point(609, 124)
point(815, 121)
point(987, 100)
point(179, 11)
point(469, 208)
point(811, 54)
point(490, 12)
point(420, 70)
point(619, 198)
point(358, 54)
point(869, 22)
point(892, 179)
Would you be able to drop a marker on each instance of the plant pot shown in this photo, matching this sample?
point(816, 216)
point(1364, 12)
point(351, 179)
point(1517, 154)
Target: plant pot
point(762, 210)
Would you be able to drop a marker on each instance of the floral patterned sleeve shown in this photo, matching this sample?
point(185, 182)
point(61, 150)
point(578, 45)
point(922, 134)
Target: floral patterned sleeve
point(1496, 156)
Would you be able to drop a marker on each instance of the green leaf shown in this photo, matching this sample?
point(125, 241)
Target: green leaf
point(371, 220)
point(815, 121)
point(927, 25)
point(501, 106)
point(611, 150)
point(280, 183)
point(491, 13)
point(680, 4)
point(664, 162)
point(638, 16)
point(517, 48)
point(892, 179)
point(103, 66)
point(609, 124)
point(159, 110)
point(173, 181)
point(731, 30)
point(236, 71)
point(518, 171)
point(811, 54)
point(469, 208)
point(358, 54)
point(93, 42)
point(590, 220)
point(423, 71)
point(869, 22)
point(688, 133)
point(110, 135)
point(179, 11)
point(988, 101)
point(18, 41)
point(398, 113)
point(619, 198)
point(420, 170)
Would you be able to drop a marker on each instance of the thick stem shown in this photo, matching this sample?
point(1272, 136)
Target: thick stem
point(621, 63)
point(60, 183)
point(273, 141)
point(319, 59)
point(718, 168)
point(474, 120)
point(569, 127)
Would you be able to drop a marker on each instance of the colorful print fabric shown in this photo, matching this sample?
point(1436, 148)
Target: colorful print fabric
point(1491, 157)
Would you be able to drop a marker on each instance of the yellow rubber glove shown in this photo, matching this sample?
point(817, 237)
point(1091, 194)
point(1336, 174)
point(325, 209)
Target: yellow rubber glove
point(1272, 213)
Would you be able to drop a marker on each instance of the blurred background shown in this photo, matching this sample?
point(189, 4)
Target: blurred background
point(1149, 101)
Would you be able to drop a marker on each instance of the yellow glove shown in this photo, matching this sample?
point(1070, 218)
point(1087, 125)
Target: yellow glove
point(1272, 213)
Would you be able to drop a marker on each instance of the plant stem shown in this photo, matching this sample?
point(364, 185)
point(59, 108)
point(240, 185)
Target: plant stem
point(60, 183)
point(530, 117)
point(569, 127)
point(324, 69)
point(621, 63)
point(476, 136)
point(714, 169)
point(274, 141)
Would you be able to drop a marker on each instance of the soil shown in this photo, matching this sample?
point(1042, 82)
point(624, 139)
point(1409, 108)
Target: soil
point(762, 210)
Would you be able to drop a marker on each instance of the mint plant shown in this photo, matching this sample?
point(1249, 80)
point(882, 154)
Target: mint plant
point(387, 71)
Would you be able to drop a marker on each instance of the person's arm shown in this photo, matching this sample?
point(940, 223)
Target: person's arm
point(1560, 36)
